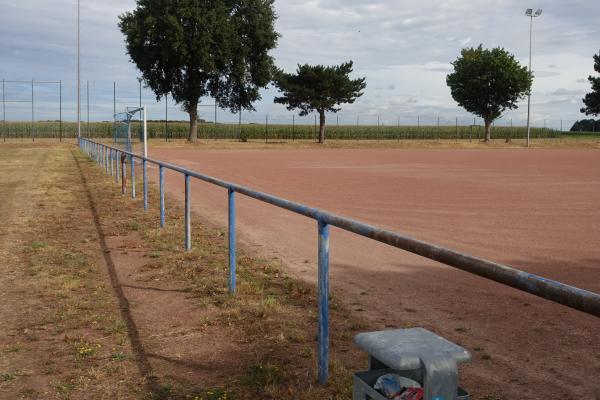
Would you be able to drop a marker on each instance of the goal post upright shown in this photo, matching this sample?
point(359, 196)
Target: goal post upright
point(126, 135)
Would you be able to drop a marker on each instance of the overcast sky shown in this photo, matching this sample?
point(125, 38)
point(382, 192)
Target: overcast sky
point(404, 49)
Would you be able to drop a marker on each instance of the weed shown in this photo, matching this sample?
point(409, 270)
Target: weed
point(64, 388)
point(118, 356)
point(212, 394)
point(117, 327)
point(13, 349)
point(133, 226)
point(8, 377)
point(86, 350)
point(260, 376)
point(38, 244)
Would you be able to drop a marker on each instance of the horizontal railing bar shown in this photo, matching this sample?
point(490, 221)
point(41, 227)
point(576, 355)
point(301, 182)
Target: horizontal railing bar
point(570, 296)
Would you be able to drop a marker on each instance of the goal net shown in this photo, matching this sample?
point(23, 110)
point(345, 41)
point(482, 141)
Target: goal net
point(131, 130)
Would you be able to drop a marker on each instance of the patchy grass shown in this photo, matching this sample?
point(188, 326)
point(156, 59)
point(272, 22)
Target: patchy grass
point(56, 302)
point(71, 337)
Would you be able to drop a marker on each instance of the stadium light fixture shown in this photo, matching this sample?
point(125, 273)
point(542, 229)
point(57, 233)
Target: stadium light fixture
point(529, 12)
point(140, 81)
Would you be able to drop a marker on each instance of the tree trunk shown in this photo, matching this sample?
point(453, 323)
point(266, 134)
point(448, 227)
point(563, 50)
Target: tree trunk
point(193, 132)
point(321, 127)
point(488, 130)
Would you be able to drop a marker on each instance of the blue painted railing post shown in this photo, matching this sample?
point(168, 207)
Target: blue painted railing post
point(323, 335)
point(188, 215)
point(117, 166)
point(232, 262)
point(106, 158)
point(111, 156)
point(161, 186)
point(145, 176)
point(132, 176)
point(123, 161)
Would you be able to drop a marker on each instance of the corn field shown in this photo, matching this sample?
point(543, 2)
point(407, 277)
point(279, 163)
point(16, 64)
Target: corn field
point(179, 130)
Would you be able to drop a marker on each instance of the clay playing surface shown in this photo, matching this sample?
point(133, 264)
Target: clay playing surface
point(536, 210)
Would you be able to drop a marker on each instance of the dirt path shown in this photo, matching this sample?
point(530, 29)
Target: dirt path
point(536, 210)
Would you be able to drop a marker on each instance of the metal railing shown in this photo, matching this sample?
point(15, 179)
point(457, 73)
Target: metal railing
point(573, 297)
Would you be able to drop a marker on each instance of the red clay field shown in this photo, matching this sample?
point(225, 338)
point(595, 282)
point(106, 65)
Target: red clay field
point(537, 210)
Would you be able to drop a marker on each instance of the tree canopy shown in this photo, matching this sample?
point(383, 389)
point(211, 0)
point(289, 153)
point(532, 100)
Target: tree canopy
point(487, 82)
point(190, 49)
point(586, 125)
point(318, 88)
point(592, 99)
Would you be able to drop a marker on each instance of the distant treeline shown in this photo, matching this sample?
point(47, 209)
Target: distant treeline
point(586, 125)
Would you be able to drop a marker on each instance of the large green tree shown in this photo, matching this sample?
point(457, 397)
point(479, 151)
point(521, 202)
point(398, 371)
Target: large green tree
point(318, 88)
point(487, 82)
point(592, 99)
point(191, 49)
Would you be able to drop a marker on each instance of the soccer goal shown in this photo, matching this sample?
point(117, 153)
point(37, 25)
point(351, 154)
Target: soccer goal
point(131, 129)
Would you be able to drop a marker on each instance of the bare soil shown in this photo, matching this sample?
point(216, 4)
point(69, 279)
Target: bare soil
point(534, 209)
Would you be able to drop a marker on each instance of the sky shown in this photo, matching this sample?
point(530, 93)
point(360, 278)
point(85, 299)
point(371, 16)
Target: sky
point(403, 48)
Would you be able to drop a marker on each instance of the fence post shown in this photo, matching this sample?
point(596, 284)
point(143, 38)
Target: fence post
point(161, 185)
point(145, 177)
point(323, 334)
point(32, 116)
point(60, 110)
point(456, 129)
point(132, 177)
point(266, 128)
point(232, 247)
point(111, 156)
point(188, 215)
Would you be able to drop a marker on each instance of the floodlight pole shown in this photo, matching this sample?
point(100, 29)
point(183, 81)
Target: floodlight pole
point(531, 15)
point(78, 76)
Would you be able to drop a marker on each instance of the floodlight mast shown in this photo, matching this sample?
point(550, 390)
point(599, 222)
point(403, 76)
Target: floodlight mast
point(529, 12)
point(78, 77)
